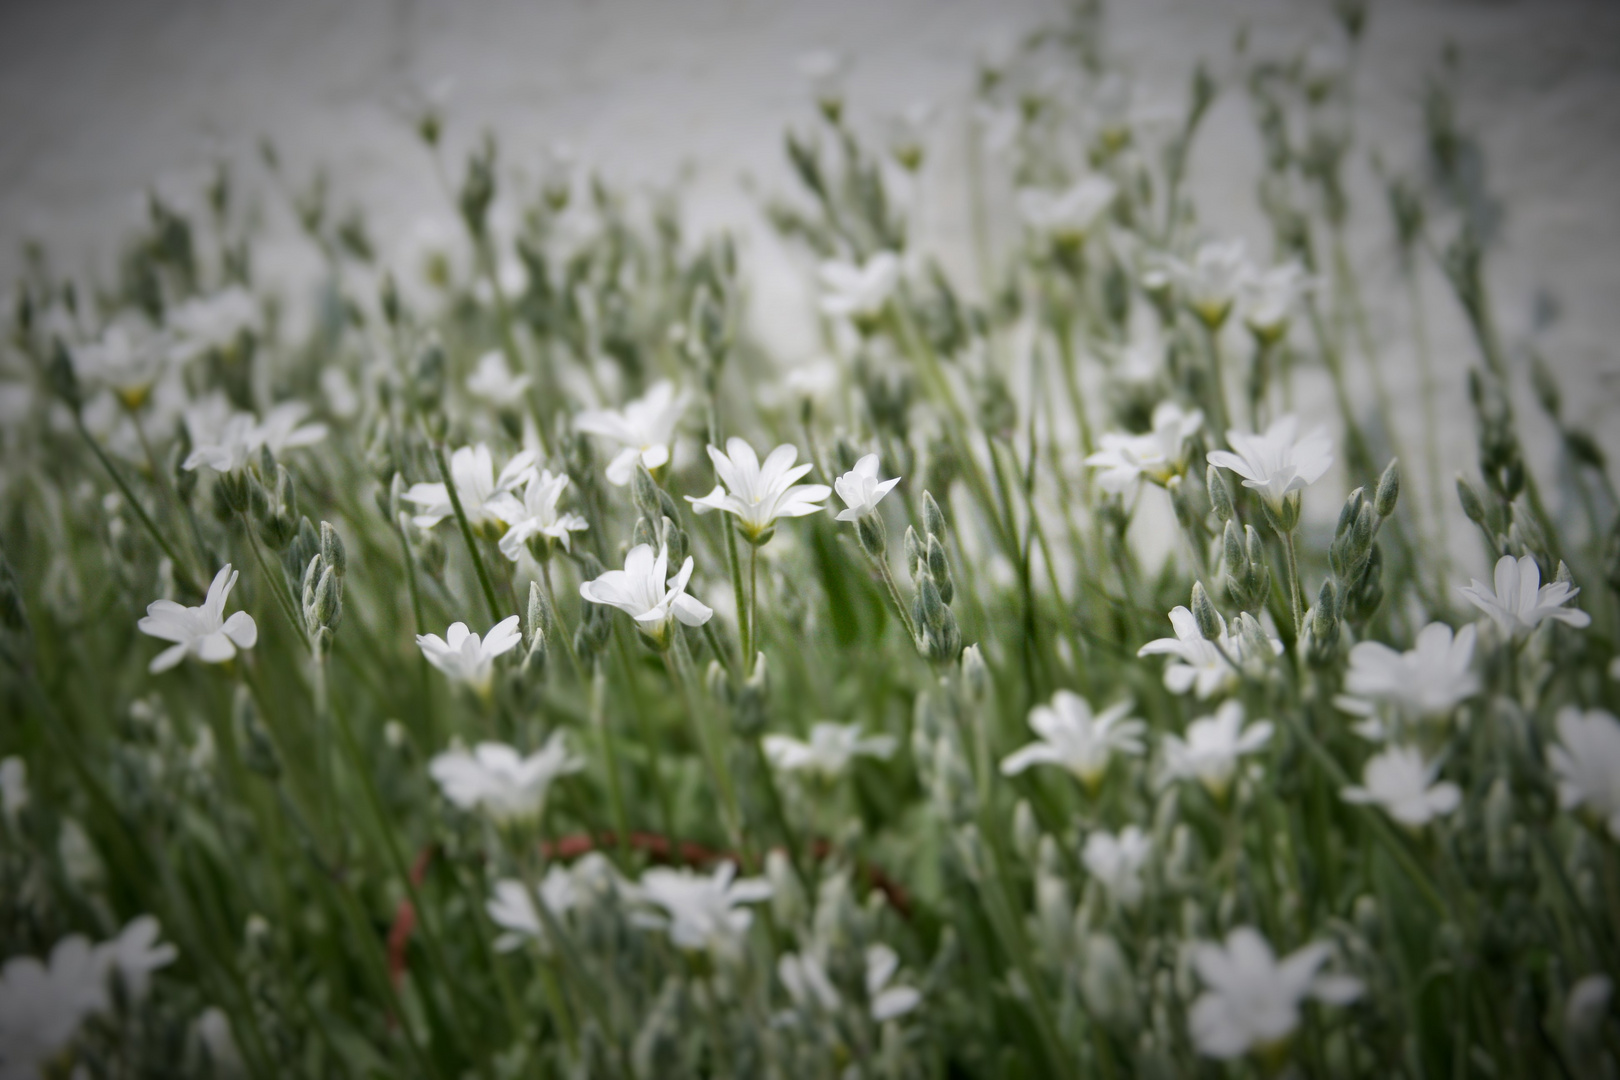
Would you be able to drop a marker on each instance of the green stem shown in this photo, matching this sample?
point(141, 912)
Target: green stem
point(466, 532)
point(184, 579)
point(275, 580)
point(1295, 595)
point(610, 759)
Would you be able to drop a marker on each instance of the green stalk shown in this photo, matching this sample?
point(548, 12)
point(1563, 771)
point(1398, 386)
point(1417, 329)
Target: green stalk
point(1296, 597)
point(467, 533)
point(181, 577)
point(610, 759)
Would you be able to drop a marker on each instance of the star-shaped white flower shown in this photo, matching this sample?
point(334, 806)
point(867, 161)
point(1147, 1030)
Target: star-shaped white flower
point(828, 752)
point(1402, 782)
point(562, 890)
point(861, 489)
point(1073, 738)
point(207, 322)
point(1209, 754)
point(135, 953)
point(465, 657)
point(1117, 861)
point(859, 292)
point(1251, 1001)
point(535, 514)
point(1067, 216)
point(242, 435)
point(1271, 298)
point(42, 1004)
point(758, 494)
point(1426, 682)
point(501, 783)
point(1158, 454)
point(1211, 282)
point(1209, 667)
point(1587, 761)
point(645, 428)
point(1520, 603)
point(472, 469)
point(701, 913)
point(128, 359)
point(1278, 462)
point(494, 382)
point(203, 632)
point(643, 591)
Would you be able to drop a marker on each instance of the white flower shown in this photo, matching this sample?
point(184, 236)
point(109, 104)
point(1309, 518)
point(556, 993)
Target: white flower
point(472, 469)
point(645, 428)
point(206, 322)
point(1211, 282)
point(701, 913)
point(203, 632)
point(1213, 745)
point(1278, 462)
point(1271, 298)
point(757, 494)
point(1075, 739)
point(494, 382)
point(1426, 682)
point(825, 70)
point(859, 292)
point(495, 779)
point(829, 751)
point(128, 359)
point(283, 428)
point(13, 787)
point(135, 953)
point(1158, 455)
point(1402, 782)
point(861, 489)
point(1205, 665)
point(642, 591)
point(1587, 1007)
point(465, 657)
point(1520, 602)
point(241, 436)
point(887, 1002)
point(1587, 761)
point(1117, 862)
point(805, 979)
point(536, 513)
point(1067, 216)
point(1251, 1001)
point(561, 890)
point(42, 1004)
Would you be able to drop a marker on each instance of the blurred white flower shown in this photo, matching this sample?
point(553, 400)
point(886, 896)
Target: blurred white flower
point(512, 908)
point(465, 657)
point(645, 428)
point(13, 787)
point(203, 632)
point(1209, 754)
point(1251, 1001)
point(1587, 761)
point(1520, 603)
point(805, 980)
point(1072, 737)
point(1426, 682)
point(127, 359)
point(1402, 782)
point(135, 953)
point(472, 468)
point(1212, 280)
point(828, 753)
point(907, 134)
point(859, 292)
point(701, 913)
point(1271, 298)
point(1278, 462)
point(861, 490)
point(535, 514)
point(493, 381)
point(887, 1002)
point(1117, 861)
point(210, 322)
point(757, 494)
point(815, 380)
point(501, 783)
point(42, 1004)
point(241, 436)
point(1067, 216)
point(1158, 454)
point(642, 591)
point(1210, 667)
point(825, 71)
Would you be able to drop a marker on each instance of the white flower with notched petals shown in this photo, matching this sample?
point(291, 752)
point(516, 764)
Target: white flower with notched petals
point(535, 514)
point(1251, 1000)
point(1402, 782)
point(465, 657)
point(496, 780)
point(828, 752)
point(887, 1002)
point(472, 470)
point(241, 435)
point(1427, 682)
point(701, 913)
point(859, 292)
point(1271, 298)
point(562, 890)
point(1209, 754)
point(1208, 667)
point(756, 493)
point(1071, 737)
point(1587, 761)
point(203, 632)
point(643, 591)
point(1157, 455)
point(493, 381)
point(1278, 462)
point(213, 322)
point(1520, 603)
point(1211, 282)
point(43, 1003)
point(861, 489)
point(645, 428)
point(1117, 861)
point(1067, 216)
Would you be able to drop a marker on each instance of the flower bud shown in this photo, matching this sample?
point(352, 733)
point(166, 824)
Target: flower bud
point(872, 535)
point(933, 518)
point(1026, 831)
point(644, 493)
point(939, 569)
point(61, 378)
point(332, 550)
point(975, 673)
point(1204, 613)
point(1471, 504)
point(1220, 496)
point(787, 897)
point(914, 552)
point(1324, 625)
point(1389, 489)
point(235, 490)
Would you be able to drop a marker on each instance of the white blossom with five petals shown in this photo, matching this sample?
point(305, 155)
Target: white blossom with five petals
point(1426, 682)
point(861, 489)
point(1278, 462)
point(645, 428)
point(480, 490)
point(1519, 602)
point(1210, 752)
point(1587, 761)
point(1251, 1000)
point(757, 493)
point(828, 752)
point(1399, 780)
point(644, 591)
point(465, 657)
point(496, 780)
point(204, 632)
point(1072, 737)
point(535, 514)
point(700, 913)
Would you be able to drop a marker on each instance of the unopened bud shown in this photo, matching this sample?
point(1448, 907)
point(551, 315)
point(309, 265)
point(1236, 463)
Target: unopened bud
point(914, 553)
point(939, 569)
point(1204, 613)
point(872, 535)
point(975, 673)
point(332, 550)
point(1470, 501)
point(1389, 489)
point(933, 518)
point(644, 493)
point(1220, 496)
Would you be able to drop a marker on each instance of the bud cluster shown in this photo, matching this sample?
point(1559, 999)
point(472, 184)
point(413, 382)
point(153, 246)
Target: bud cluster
point(322, 592)
point(1357, 559)
point(937, 635)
